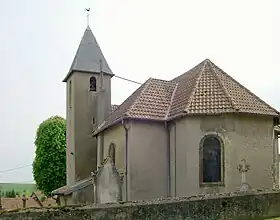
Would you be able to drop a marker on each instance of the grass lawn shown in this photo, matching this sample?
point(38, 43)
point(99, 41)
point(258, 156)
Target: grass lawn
point(18, 187)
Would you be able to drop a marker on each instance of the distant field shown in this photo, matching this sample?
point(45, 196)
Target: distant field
point(18, 187)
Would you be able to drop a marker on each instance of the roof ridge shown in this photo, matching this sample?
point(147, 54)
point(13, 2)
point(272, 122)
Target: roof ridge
point(239, 84)
point(104, 125)
point(171, 101)
point(164, 80)
point(183, 74)
point(233, 104)
point(120, 105)
point(145, 84)
point(195, 87)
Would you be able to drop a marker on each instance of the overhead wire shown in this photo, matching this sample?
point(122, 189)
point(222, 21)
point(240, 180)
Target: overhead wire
point(28, 165)
point(129, 80)
point(16, 168)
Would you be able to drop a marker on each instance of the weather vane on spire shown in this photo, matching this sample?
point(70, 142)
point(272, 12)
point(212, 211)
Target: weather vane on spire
point(87, 10)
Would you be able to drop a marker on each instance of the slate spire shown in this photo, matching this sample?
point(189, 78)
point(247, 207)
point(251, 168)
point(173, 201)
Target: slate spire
point(88, 56)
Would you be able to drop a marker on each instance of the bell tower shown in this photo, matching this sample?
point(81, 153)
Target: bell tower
point(88, 104)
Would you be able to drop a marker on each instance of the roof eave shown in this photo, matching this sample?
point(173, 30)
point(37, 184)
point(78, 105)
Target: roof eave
point(67, 76)
point(95, 133)
point(103, 128)
point(67, 191)
point(58, 193)
point(183, 114)
point(70, 191)
point(177, 116)
point(83, 71)
point(274, 114)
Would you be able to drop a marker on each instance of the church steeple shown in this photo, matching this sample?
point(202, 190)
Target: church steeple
point(88, 57)
point(88, 104)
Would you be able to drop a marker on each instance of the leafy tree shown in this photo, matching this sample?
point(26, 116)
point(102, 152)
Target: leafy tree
point(49, 166)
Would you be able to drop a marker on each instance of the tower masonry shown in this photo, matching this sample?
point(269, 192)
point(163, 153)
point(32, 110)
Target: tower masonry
point(88, 105)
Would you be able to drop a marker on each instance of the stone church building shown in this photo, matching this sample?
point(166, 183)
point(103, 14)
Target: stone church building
point(201, 132)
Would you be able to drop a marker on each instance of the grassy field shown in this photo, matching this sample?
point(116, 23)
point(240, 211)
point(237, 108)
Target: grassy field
point(18, 187)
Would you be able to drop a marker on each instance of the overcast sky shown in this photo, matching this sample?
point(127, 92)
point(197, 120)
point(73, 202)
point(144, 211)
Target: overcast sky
point(139, 38)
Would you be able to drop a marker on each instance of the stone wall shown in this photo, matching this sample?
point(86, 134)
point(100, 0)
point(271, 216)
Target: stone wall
point(243, 136)
point(253, 205)
point(83, 196)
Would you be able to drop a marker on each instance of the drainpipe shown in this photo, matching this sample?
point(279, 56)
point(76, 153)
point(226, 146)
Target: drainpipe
point(126, 159)
point(275, 160)
point(175, 158)
point(168, 160)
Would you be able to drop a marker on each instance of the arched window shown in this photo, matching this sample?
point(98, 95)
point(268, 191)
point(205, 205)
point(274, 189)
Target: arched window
point(92, 83)
point(112, 153)
point(211, 160)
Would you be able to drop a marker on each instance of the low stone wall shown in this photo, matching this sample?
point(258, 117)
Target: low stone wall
point(239, 206)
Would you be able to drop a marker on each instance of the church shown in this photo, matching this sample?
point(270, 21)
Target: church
point(201, 132)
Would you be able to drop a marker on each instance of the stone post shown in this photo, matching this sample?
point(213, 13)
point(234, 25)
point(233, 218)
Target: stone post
point(1, 200)
point(94, 182)
point(122, 196)
point(24, 199)
point(57, 199)
point(35, 197)
point(125, 186)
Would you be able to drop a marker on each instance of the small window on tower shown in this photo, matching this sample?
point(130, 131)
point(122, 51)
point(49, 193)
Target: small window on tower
point(93, 121)
point(92, 84)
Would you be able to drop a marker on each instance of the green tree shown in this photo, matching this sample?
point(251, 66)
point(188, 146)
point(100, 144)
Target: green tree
point(8, 194)
point(11, 193)
point(49, 166)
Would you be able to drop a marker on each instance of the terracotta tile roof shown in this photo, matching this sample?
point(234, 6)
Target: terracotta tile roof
point(205, 89)
point(150, 101)
point(185, 90)
point(242, 99)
